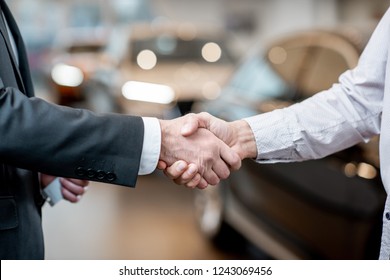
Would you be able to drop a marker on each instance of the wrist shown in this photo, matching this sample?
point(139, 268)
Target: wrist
point(245, 143)
point(165, 141)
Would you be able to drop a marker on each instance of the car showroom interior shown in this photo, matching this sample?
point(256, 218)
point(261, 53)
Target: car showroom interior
point(232, 59)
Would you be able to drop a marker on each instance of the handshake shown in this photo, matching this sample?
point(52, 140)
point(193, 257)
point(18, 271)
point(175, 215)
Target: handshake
point(200, 149)
point(197, 150)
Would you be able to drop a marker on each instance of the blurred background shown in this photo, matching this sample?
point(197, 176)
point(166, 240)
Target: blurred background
point(234, 59)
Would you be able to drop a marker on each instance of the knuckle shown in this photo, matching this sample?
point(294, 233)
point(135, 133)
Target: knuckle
point(204, 114)
point(236, 164)
point(202, 184)
point(190, 116)
point(81, 191)
point(214, 181)
point(169, 174)
point(226, 174)
point(191, 184)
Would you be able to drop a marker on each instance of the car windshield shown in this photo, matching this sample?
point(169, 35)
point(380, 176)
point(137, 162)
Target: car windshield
point(256, 81)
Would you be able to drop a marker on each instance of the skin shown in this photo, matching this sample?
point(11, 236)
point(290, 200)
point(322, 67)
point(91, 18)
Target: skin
point(71, 189)
point(199, 147)
point(183, 138)
point(237, 135)
point(203, 152)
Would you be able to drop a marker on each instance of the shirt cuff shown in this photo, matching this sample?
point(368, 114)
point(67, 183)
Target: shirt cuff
point(273, 139)
point(151, 146)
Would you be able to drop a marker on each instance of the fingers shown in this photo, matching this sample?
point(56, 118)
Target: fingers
point(211, 177)
point(202, 184)
point(185, 174)
point(176, 170)
point(73, 189)
point(221, 170)
point(230, 157)
point(221, 165)
point(162, 165)
point(69, 196)
point(79, 182)
point(210, 154)
point(194, 182)
point(182, 173)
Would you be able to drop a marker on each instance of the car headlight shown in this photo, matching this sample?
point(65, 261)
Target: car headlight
point(66, 75)
point(148, 92)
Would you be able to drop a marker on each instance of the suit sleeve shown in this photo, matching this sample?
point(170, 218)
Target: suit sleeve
point(61, 141)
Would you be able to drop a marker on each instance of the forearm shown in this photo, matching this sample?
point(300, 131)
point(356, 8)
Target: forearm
point(66, 142)
point(347, 113)
point(326, 123)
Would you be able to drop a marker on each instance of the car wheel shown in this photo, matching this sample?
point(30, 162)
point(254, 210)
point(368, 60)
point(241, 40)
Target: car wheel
point(209, 214)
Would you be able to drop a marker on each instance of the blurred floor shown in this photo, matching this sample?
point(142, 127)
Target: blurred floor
point(153, 221)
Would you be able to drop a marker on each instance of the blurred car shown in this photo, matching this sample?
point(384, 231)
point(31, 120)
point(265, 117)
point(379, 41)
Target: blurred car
point(324, 209)
point(80, 69)
point(166, 67)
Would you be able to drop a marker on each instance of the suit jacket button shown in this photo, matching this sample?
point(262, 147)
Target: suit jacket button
point(100, 175)
point(91, 173)
point(80, 171)
point(111, 177)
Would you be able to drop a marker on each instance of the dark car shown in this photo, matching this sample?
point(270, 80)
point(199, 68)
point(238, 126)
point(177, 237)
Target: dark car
point(166, 67)
point(321, 209)
point(80, 69)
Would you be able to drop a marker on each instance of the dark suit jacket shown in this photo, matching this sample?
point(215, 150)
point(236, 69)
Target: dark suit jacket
point(36, 136)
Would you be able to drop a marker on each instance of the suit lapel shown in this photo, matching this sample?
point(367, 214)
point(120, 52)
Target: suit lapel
point(22, 70)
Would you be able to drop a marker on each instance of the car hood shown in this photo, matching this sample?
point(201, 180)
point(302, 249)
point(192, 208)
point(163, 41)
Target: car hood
point(190, 81)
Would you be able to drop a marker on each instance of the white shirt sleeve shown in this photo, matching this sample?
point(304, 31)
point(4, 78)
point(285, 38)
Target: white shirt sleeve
point(151, 146)
point(348, 113)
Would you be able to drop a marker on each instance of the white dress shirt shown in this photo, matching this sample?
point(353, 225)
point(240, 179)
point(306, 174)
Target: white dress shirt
point(352, 111)
point(151, 147)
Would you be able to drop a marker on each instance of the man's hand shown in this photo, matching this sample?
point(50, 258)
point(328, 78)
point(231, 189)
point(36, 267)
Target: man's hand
point(238, 135)
point(211, 156)
point(184, 174)
point(71, 189)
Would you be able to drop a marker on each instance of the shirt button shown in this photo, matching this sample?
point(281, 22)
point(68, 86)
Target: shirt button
point(387, 215)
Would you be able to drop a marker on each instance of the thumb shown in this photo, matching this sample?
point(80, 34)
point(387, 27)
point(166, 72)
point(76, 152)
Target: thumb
point(162, 165)
point(193, 122)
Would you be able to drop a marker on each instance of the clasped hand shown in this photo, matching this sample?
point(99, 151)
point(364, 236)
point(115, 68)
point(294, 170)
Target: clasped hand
point(199, 149)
